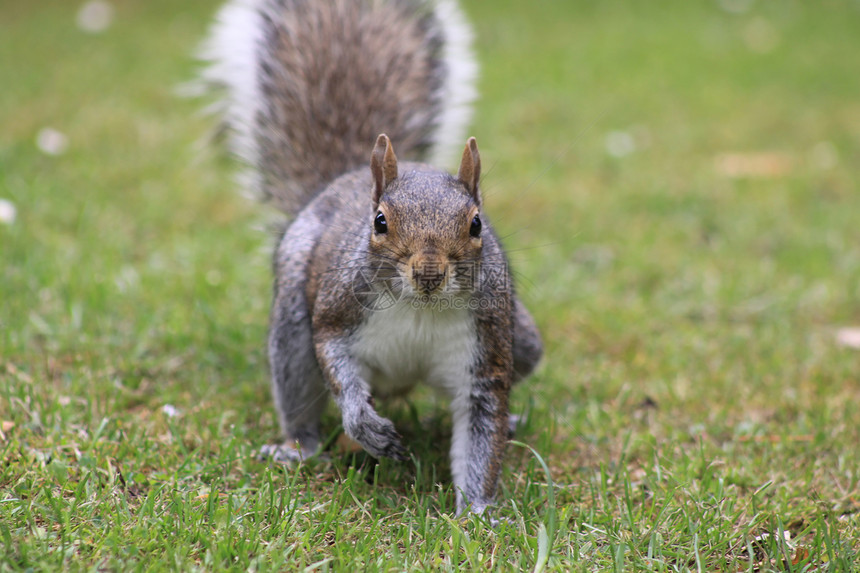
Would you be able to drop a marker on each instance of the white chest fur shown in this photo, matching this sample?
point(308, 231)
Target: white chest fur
point(403, 345)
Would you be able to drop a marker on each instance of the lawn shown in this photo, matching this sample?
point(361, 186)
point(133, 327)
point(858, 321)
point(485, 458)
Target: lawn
point(677, 186)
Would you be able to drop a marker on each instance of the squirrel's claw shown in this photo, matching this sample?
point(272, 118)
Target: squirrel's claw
point(396, 451)
point(375, 434)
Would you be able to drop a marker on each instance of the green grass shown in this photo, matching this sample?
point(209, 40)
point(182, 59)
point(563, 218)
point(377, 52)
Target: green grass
point(693, 406)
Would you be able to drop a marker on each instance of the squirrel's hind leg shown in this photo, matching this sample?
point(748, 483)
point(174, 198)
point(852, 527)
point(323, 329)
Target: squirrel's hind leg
point(299, 393)
point(297, 387)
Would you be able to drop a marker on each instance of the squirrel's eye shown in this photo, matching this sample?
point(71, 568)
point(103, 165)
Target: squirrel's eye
point(380, 225)
point(475, 228)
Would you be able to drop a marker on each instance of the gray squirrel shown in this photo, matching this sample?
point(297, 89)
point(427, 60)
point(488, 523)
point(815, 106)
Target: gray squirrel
point(388, 275)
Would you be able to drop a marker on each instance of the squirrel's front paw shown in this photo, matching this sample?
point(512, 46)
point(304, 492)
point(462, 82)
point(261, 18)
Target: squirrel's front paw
point(375, 434)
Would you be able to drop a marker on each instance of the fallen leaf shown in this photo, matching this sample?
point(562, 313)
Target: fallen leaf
point(7, 211)
point(95, 16)
point(763, 164)
point(620, 143)
point(52, 142)
point(170, 410)
point(799, 555)
point(848, 337)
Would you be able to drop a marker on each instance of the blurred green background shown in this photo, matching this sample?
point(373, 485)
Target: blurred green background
point(676, 183)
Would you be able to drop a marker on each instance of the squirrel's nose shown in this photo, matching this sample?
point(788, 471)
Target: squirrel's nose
point(428, 275)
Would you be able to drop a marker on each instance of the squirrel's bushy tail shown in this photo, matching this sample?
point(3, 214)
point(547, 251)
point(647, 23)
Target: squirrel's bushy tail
point(307, 85)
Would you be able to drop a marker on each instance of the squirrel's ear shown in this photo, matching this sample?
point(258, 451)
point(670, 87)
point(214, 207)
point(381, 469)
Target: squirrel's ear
point(470, 169)
point(383, 166)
